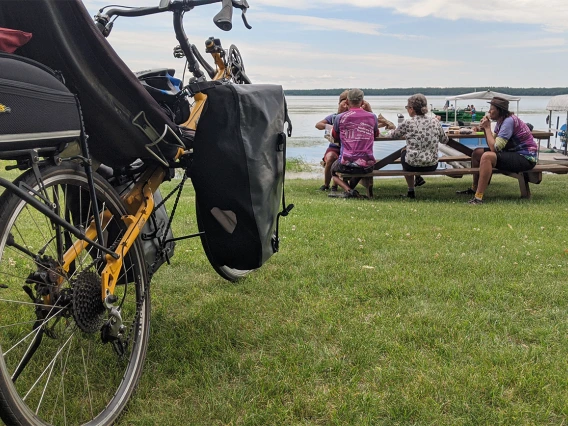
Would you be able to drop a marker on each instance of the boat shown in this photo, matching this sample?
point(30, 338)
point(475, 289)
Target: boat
point(462, 114)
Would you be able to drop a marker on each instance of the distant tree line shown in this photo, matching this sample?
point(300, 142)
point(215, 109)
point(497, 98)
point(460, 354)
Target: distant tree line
point(437, 91)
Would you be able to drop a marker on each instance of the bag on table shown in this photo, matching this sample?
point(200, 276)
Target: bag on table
point(238, 172)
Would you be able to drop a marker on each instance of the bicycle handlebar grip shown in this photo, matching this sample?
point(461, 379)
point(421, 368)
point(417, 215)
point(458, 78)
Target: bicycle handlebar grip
point(224, 18)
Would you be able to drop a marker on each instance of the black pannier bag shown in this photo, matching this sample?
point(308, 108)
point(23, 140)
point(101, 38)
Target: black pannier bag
point(238, 172)
point(36, 109)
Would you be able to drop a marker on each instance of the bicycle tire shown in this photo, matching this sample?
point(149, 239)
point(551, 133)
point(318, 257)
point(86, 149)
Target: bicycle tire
point(72, 377)
point(230, 274)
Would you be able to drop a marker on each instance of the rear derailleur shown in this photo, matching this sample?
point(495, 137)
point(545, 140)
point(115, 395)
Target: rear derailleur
point(113, 331)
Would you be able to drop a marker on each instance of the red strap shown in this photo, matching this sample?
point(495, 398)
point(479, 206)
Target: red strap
point(10, 40)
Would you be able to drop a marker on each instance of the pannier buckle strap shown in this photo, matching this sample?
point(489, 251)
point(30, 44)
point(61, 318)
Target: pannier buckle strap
point(201, 86)
point(142, 123)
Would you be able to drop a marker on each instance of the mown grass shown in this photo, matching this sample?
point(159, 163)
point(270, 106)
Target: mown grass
point(383, 311)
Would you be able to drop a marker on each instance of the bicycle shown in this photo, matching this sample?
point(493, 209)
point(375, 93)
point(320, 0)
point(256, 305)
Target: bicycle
point(74, 327)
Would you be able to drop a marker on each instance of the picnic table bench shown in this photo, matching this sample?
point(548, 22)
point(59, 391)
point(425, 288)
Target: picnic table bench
point(525, 178)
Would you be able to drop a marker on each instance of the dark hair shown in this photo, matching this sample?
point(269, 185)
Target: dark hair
point(503, 114)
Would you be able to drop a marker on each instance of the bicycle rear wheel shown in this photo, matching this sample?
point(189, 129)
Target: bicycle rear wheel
point(54, 367)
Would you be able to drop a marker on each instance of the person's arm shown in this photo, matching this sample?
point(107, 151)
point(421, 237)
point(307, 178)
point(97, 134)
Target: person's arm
point(497, 142)
point(399, 132)
point(485, 125)
point(320, 125)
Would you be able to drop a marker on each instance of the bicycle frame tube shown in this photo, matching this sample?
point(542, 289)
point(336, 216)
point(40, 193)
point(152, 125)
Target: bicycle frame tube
point(200, 98)
point(91, 232)
point(24, 195)
point(139, 203)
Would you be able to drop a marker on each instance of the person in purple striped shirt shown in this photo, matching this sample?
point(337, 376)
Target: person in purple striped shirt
point(511, 148)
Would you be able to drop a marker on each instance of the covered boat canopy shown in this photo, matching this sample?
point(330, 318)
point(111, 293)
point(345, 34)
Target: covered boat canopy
point(486, 94)
point(558, 103)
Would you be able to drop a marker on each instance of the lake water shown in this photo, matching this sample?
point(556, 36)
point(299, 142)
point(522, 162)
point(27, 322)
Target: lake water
point(309, 144)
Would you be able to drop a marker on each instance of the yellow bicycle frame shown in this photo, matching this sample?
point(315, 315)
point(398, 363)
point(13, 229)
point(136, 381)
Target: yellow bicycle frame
point(139, 202)
point(200, 98)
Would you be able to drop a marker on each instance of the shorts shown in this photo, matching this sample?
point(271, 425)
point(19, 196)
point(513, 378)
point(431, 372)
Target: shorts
point(513, 162)
point(407, 167)
point(334, 149)
point(337, 167)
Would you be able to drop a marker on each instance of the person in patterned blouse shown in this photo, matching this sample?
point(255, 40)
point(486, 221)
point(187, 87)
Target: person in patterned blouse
point(422, 134)
point(511, 147)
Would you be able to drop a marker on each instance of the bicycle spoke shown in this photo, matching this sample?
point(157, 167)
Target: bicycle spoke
point(50, 320)
point(49, 366)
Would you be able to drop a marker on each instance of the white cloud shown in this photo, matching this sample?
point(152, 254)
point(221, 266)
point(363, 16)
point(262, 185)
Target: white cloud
point(328, 24)
point(553, 14)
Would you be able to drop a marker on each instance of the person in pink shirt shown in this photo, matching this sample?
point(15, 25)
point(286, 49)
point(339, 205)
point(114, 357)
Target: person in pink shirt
point(356, 130)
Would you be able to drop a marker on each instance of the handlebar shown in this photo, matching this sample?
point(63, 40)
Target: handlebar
point(224, 18)
point(104, 22)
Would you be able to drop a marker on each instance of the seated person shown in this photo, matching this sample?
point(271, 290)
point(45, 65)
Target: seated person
point(422, 134)
point(511, 148)
point(356, 130)
point(332, 151)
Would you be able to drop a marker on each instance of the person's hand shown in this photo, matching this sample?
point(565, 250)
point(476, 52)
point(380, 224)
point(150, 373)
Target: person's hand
point(366, 106)
point(485, 123)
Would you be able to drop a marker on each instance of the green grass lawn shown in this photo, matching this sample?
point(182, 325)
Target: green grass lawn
point(383, 311)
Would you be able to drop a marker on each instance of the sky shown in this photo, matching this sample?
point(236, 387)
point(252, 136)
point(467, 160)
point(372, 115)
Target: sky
point(324, 44)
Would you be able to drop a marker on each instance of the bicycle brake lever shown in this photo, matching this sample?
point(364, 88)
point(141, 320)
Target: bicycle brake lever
point(245, 19)
point(178, 52)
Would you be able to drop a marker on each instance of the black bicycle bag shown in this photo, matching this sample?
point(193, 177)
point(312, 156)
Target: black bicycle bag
point(36, 109)
point(238, 172)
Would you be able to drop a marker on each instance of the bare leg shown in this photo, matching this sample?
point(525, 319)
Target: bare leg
point(475, 161)
point(488, 161)
point(329, 159)
point(410, 182)
point(338, 181)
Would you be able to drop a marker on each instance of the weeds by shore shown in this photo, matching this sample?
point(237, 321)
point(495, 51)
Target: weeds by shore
point(383, 311)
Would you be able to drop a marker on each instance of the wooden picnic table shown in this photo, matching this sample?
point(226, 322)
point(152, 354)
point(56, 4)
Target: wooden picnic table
point(524, 178)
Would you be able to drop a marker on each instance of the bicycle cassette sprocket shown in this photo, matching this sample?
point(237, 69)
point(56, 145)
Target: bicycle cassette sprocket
point(88, 308)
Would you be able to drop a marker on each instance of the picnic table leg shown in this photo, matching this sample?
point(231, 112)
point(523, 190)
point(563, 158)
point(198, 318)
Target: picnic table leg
point(524, 185)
